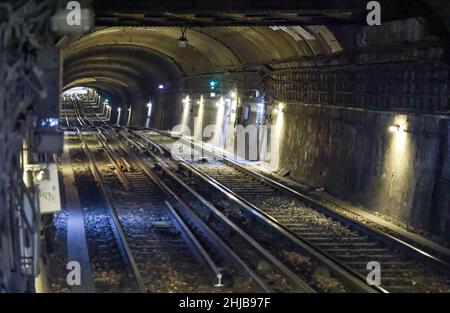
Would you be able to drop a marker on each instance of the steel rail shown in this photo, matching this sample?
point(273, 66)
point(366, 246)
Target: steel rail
point(379, 235)
point(284, 270)
point(117, 227)
point(352, 278)
point(187, 212)
point(190, 238)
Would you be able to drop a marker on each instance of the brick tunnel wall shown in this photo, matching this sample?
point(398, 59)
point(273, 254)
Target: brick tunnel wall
point(334, 131)
point(353, 155)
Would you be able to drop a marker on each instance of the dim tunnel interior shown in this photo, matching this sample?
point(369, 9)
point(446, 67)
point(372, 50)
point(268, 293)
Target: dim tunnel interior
point(295, 132)
point(102, 59)
point(283, 66)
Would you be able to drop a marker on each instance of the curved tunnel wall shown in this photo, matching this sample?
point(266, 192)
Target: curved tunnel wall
point(339, 96)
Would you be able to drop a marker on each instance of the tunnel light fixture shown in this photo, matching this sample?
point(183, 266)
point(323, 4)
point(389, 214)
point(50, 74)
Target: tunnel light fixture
point(119, 111)
point(279, 109)
point(182, 41)
point(186, 101)
point(394, 128)
point(401, 127)
point(129, 116)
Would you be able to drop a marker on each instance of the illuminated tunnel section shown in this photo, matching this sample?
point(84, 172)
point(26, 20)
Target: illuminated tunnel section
point(131, 63)
point(322, 101)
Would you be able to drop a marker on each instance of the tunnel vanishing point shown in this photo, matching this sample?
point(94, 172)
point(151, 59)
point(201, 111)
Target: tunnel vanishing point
point(276, 107)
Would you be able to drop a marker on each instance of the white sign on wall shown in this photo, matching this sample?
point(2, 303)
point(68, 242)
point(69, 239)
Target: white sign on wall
point(48, 188)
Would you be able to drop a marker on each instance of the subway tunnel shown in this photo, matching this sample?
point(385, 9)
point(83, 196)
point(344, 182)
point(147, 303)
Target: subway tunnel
point(190, 146)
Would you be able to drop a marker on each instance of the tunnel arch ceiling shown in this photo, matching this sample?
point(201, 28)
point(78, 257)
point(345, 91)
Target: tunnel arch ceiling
point(130, 62)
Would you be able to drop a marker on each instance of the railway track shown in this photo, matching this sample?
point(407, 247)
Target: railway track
point(155, 235)
point(167, 256)
point(323, 249)
point(241, 252)
point(109, 268)
point(134, 205)
point(293, 256)
point(404, 267)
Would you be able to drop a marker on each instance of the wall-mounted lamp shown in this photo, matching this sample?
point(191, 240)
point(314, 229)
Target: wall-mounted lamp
point(119, 111)
point(186, 101)
point(397, 128)
point(182, 41)
point(394, 128)
point(279, 109)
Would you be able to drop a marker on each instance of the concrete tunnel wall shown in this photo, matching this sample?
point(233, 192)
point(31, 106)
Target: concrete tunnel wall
point(331, 138)
point(352, 154)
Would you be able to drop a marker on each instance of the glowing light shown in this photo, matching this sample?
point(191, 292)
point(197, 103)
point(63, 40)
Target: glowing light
point(219, 124)
point(160, 86)
point(277, 139)
point(394, 128)
point(129, 116)
point(182, 42)
point(279, 109)
point(398, 165)
point(186, 110)
point(220, 103)
point(198, 122)
point(186, 101)
point(119, 110)
point(233, 94)
point(212, 94)
point(76, 91)
point(149, 109)
point(398, 127)
point(109, 110)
